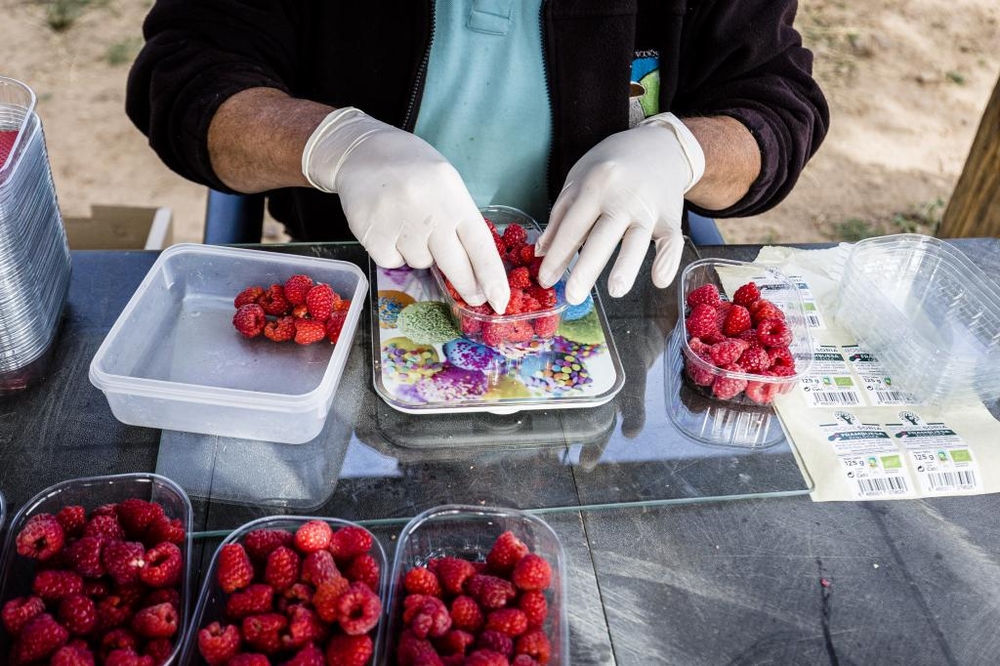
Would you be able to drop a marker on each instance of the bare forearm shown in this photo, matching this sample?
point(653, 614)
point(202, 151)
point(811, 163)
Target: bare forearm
point(256, 138)
point(732, 161)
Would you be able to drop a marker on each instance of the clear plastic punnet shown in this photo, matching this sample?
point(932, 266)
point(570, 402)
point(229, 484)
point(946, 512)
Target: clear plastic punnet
point(173, 359)
point(468, 532)
point(927, 313)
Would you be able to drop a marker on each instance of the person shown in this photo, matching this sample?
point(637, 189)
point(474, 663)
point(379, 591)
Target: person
point(395, 122)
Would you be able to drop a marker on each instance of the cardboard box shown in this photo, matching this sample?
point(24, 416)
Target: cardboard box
point(121, 228)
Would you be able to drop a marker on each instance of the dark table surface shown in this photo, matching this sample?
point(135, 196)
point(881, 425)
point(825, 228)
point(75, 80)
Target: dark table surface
point(702, 557)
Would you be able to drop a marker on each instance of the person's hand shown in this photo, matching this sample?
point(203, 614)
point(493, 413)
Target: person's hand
point(629, 188)
point(405, 203)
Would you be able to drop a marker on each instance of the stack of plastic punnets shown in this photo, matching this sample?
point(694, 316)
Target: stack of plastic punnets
point(928, 313)
point(34, 254)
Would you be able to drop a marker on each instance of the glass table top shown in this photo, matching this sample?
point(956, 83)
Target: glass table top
point(376, 465)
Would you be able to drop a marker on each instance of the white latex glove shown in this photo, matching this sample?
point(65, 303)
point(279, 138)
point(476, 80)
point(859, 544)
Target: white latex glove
point(405, 203)
point(629, 188)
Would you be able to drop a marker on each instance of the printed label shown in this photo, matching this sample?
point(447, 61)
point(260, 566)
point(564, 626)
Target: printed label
point(829, 382)
point(875, 379)
point(943, 463)
point(871, 462)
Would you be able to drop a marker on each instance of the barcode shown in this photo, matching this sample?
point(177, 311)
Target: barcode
point(812, 321)
point(949, 480)
point(891, 485)
point(891, 397)
point(846, 398)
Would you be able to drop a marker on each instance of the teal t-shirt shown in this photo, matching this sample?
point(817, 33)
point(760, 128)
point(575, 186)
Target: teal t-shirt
point(485, 104)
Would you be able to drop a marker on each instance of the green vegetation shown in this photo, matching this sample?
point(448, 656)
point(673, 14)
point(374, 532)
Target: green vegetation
point(922, 218)
point(854, 229)
point(60, 14)
point(123, 51)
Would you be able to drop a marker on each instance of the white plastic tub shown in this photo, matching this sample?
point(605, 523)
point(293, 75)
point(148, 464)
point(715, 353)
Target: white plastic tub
point(174, 361)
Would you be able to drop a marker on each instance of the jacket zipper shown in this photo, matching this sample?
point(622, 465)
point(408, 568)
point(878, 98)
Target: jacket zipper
point(409, 119)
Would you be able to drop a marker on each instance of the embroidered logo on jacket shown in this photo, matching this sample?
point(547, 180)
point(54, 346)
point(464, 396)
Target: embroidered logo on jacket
point(644, 89)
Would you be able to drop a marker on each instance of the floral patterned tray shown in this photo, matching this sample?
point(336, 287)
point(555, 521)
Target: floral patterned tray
point(423, 364)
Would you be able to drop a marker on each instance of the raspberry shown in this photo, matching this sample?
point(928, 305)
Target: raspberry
point(513, 235)
point(319, 567)
point(218, 644)
point(249, 659)
point(519, 278)
point(508, 621)
point(746, 294)
point(326, 597)
point(359, 609)
point(72, 519)
point(297, 288)
point(765, 309)
point(491, 592)
point(159, 649)
point(96, 589)
point(39, 638)
point(535, 644)
point(54, 584)
point(465, 614)
point(420, 580)
point(737, 321)
point(781, 357)
point(72, 655)
point(300, 311)
point(159, 621)
point(303, 628)
point(248, 295)
point(136, 515)
point(426, 615)
point(273, 301)
point(727, 351)
point(755, 359)
point(505, 553)
point(163, 595)
point(412, 650)
point(104, 527)
point(721, 312)
point(282, 568)
point(260, 543)
point(320, 300)
point(364, 569)
point(493, 649)
point(313, 535)
point(112, 611)
point(254, 600)
point(726, 388)
point(131, 593)
point(308, 331)
point(535, 607)
point(499, 244)
point(84, 556)
point(281, 329)
point(109, 509)
point(78, 614)
point(526, 255)
point(334, 325)
point(165, 529)
point(127, 658)
point(523, 660)
point(310, 655)
point(163, 566)
point(707, 294)
point(41, 538)
point(345, 650)
point(701, 323)
point(761, 392)
point(520, 331)
point(263, 632)
point(774, 333)
point(455, 641)
point(697, 373)
point(531, 572)
point(250, 320)
point(17, 612)
point(452, 572)
point(123, 560)
point(348, 542)
point(494, 333)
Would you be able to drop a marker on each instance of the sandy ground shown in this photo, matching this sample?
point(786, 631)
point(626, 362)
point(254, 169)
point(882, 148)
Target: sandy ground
point(907, 82)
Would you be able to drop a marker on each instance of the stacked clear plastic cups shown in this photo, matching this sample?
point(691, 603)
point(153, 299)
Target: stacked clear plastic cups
point(34, 254)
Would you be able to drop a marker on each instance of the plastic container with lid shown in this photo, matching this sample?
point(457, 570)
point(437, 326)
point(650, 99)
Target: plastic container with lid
point(494, 330)
point(468, 532)
point(173, 359)
point(17, 573)
point(212, 599)
point(927, 313)
point(774, 286)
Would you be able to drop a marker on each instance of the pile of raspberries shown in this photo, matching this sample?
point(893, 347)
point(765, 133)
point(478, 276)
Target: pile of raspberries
point(302, 598)
point(526, 295)
point(106, 588)
point(461, 613)
point(298, 310)
point(748, 335)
